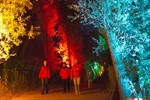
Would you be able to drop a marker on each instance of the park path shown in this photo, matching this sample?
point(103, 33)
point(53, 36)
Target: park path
point(95, 93)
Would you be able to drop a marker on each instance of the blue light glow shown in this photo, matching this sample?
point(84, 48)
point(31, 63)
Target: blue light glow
point(127, 24)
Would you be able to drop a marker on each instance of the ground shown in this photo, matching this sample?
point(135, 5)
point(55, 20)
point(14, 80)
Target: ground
point(97, 92)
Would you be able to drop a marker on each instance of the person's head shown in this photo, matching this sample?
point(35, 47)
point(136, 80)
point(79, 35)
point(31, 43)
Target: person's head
point(45, 63)
point(63, 64)
point(77, 61)
point(104, 63)
point(89, 68)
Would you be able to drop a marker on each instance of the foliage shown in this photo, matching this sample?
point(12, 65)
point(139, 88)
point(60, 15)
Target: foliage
point(21, 71)
point(57, 50)
point(22, 75)
point(127, 24)
point(13, 25)
point(62, 44)
point(89, 12)
point(3, 88)
point(96, 68)
point(101, 45)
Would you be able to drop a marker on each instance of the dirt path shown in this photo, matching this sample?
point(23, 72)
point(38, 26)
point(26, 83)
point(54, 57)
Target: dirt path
point(95, 93)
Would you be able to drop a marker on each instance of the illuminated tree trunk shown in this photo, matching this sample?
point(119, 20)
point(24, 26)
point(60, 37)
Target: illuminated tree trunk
point(114, 67)
point(45, 35)
point(5, 72)
point(69, 52)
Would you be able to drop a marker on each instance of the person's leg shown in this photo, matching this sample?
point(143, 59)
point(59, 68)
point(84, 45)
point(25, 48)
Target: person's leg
point(42, 85)
point(68, 84)
point(78, 85)
point(88, 83)
point(46, 85)
point(64, 85)
point(75, 85)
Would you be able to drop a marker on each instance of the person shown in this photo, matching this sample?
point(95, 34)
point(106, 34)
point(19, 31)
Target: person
point(105, 65)
point(75, 75)
point(65, 76)
point(89, 74)
point(44, 75)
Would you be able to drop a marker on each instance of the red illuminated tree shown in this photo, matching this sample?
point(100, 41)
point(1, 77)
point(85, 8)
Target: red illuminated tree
point(61, 44)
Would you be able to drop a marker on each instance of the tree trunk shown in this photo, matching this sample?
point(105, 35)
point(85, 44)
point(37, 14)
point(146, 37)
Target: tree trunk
point(5, 72)
point(114, 67)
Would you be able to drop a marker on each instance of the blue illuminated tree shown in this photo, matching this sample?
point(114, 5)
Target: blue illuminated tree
point(88, 11)
point(127, 25)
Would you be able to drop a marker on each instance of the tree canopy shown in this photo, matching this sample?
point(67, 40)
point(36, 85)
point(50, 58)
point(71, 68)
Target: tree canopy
point(14, 25)
point(126, 23)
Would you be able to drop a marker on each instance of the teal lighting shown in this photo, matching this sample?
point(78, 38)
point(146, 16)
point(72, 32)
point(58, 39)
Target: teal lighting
point(127, 23)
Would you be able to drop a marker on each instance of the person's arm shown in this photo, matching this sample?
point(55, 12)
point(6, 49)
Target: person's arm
point(40, 72)
point(71, 73)
point(60, 73)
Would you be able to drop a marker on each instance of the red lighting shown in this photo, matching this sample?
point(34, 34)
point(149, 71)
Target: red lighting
point(58, 48)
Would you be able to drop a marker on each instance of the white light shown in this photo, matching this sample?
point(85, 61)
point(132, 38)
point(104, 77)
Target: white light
point(138, 99)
